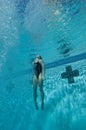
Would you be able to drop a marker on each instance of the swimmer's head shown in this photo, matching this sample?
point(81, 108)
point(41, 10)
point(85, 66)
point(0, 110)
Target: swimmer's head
point(39, 57)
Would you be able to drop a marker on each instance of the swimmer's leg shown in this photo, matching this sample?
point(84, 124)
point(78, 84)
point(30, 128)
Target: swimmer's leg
point(42, 94)
point(35, 92)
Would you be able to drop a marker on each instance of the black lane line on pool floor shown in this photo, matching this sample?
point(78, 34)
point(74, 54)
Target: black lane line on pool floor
point(66, 60)
point(48, 66)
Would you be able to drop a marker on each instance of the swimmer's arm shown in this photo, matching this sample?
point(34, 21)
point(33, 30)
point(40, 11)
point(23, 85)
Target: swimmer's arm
point(43, 69)
point(34, 62)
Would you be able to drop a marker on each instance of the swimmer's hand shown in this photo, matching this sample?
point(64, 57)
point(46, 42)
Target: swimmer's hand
point(34, 62)
point(42, 76)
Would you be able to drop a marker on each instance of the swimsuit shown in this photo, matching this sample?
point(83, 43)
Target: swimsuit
point(37, 69)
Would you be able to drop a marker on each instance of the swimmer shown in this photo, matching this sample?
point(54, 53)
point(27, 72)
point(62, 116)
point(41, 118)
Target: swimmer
point(38, 78)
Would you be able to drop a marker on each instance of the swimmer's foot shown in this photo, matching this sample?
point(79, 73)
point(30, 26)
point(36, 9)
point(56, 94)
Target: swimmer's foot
point(36, 105)
point(42, 106)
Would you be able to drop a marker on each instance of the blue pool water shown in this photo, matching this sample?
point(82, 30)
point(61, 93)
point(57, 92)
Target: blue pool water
point(55, 29)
